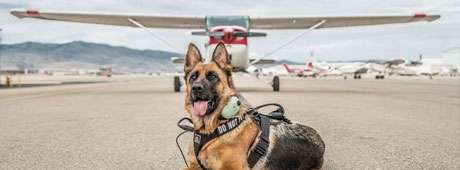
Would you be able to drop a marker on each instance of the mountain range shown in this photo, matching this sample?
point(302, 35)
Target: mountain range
point(86, 55)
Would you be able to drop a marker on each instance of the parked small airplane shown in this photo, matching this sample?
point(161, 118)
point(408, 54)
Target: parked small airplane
point(354, 69)
point(312, 69)
point(325, 69)
point(232, 30)
point(426, 67)
point(302, 71)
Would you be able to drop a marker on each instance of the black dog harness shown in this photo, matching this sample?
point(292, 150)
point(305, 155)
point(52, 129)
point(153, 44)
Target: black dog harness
point(199, 139)
point(263, 120)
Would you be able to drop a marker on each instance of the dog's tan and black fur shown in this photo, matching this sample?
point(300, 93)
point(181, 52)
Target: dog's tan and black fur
point(292, 146)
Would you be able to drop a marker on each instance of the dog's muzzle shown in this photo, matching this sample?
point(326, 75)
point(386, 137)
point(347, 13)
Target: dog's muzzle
point(204, 101)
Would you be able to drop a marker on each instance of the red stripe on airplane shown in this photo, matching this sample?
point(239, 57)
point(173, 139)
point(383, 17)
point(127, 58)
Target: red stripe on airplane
point(241, 41)
point(32, 13)
point(419, 15)
point(228, 37)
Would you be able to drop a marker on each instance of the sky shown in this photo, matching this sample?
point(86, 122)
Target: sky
point(371, 42)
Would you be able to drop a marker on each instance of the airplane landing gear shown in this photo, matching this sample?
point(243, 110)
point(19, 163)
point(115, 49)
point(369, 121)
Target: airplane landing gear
point(177, 84)
point(276, 83)
point(379, 77)
point(357, 76)
point(314, 75)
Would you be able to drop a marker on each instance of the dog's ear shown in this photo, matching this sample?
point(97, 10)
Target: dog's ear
point(192, 58)
point(220, 57)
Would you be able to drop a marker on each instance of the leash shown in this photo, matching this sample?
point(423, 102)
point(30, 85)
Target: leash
point(186, 129)
point(263, 121)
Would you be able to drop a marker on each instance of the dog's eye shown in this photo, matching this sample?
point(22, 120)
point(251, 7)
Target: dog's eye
point(212, 76)
point(194, 76)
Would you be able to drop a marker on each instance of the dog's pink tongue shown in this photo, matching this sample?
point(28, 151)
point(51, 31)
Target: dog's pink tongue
point(200, 108)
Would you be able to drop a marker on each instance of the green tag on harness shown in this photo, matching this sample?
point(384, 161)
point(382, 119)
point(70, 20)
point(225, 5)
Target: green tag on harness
point(232, 108)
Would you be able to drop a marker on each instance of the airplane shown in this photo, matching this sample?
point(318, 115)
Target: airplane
point(345, 69)
point(425, 66)
point(301, 72)
point(325, 69)
point(232, 30)
point(322, 69)
point(380, 69)
point(356, 69)
point(312, 69)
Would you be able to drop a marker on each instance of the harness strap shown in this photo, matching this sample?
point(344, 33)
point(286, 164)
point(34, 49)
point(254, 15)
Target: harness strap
point(264, 140)
point(199, 139)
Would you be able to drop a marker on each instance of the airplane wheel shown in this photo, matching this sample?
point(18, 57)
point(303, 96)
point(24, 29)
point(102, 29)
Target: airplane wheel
point(276, 83)
point(177, 84)
point(382, 77)
point(357, 77)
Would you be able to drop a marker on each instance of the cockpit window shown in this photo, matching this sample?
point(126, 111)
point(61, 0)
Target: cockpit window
point(212, 21)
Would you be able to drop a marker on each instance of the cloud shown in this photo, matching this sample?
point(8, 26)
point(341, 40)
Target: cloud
point(382, 42)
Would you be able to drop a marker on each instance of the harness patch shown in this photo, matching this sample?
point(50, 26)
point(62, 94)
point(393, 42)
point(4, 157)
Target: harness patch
point(261, 148)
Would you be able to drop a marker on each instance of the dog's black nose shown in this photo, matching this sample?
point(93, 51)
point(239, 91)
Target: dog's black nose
point(197, 88)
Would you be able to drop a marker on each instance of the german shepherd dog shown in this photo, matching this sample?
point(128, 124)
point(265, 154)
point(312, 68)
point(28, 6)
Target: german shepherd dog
point(208, 88)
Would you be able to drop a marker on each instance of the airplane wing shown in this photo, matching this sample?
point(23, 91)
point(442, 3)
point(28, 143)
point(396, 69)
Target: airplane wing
point(187, 22)
point(262, 61)
point(149, 21)
point(177, 60)
point(339, 21)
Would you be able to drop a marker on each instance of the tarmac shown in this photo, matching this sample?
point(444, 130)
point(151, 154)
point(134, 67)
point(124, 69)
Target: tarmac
point(130, 122)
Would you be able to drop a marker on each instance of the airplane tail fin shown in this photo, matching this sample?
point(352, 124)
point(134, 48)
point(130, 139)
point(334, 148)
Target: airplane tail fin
point(309, 65)
point(286, 66)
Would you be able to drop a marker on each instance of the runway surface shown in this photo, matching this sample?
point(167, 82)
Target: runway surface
point(130, 123)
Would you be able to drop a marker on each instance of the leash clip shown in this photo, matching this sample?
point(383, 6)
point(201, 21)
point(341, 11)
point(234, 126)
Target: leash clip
point(185, 127)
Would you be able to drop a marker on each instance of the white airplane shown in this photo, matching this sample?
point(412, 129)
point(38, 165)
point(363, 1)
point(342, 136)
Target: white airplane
point(426, 67)
point(377, 69)
point(354, 69)
point(325, 69)
point(232, 30)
